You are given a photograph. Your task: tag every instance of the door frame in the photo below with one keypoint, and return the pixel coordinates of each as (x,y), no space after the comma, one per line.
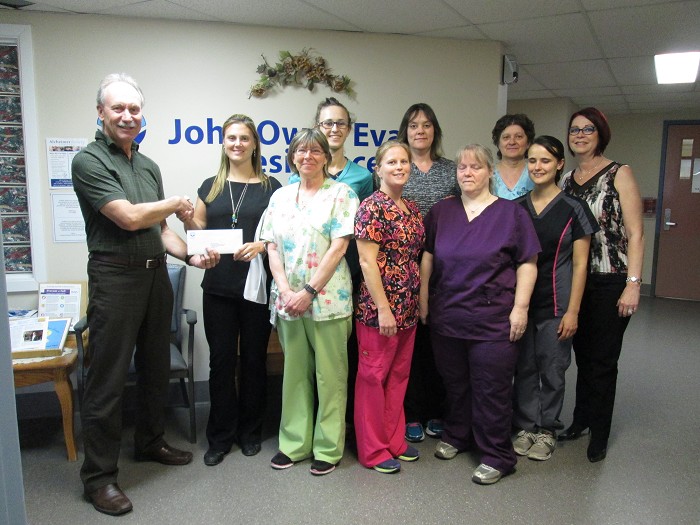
(660,197)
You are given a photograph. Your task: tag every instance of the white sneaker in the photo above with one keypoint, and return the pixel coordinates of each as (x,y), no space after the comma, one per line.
(485,475)
(544,446)
(445,451)
(524,442)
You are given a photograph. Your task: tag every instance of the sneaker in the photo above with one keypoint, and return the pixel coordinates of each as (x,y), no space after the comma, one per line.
(445,451)
(544,446)
(319,467)
(410,454)
(524,442)
(390,466)
(281,461)
(434,428)
(414,432)
(485,475)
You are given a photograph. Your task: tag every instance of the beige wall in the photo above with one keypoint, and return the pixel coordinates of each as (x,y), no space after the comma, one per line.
(636,140)
(194,71)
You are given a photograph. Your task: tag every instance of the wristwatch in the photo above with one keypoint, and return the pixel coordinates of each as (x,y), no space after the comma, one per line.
(311,290)
(632,279)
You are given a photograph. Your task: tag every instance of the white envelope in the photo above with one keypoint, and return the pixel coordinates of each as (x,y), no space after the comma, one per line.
(224,241)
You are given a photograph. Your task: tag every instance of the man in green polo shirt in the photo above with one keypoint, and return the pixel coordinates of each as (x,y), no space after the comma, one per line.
(120,192)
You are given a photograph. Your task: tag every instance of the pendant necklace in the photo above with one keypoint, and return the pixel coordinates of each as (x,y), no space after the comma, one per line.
(583,173)
(235,209)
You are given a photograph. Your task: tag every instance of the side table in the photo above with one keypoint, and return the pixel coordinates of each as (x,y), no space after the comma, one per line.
(56,369)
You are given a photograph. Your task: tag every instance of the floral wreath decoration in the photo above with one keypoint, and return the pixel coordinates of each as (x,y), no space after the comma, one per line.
(304,69)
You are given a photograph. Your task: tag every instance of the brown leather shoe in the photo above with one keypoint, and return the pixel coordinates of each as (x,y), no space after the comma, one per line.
(110,499)
(166,455)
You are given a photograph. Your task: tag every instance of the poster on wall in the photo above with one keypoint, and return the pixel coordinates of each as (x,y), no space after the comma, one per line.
(68,223)
(59,155)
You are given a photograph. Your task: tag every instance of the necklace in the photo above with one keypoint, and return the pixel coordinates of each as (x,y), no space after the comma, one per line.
(585,173)
(237,207)
(478,208)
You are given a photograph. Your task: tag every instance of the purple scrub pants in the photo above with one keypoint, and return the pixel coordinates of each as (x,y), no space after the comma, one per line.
(478,377)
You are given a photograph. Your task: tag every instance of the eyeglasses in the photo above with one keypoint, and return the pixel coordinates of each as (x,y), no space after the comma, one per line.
(588,130)
(314,152)
(328,124)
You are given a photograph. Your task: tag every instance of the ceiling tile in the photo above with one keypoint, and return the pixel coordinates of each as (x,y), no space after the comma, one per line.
(159,9)
(572,75)
(658,89)
(290,14)
(648,30)
(485,11)
(633,70)
(413,16)
(555,39)
(590,91)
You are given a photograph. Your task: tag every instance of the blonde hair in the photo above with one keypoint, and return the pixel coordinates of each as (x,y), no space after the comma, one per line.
(217,186)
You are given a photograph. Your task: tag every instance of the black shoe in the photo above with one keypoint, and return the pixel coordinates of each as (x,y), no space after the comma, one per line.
(321,468)
(573,432)
(250,449)
(597,450)
(213,457)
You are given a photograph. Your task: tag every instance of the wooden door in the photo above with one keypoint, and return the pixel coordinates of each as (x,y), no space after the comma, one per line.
(677,271)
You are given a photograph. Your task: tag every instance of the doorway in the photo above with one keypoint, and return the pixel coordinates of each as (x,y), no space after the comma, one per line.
(677,264)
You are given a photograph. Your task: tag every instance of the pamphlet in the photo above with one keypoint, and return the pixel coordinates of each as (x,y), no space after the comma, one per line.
(38,336)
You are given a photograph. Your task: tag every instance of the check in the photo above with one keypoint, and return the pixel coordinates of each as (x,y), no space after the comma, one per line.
(224,241)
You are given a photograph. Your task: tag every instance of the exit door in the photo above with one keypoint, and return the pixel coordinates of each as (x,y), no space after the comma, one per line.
(678,217)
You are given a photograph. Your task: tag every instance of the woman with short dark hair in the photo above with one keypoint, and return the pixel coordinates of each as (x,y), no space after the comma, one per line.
(512,135)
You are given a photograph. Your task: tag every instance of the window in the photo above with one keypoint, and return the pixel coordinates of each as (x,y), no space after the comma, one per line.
(19,184)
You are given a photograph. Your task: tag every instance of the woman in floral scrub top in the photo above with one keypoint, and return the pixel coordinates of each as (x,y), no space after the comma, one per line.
(308,225)
(390,233)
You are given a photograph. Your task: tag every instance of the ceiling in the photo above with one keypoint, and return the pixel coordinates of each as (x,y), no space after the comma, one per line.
(593,52)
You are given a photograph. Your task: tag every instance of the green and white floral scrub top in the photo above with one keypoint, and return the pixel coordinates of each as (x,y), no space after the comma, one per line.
(303,235)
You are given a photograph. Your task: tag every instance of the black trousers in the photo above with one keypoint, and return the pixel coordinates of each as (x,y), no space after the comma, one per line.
(425,394)
(597,346)
(236,416)
(128,307)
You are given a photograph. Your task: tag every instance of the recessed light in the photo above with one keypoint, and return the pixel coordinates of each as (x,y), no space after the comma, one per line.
(677,68)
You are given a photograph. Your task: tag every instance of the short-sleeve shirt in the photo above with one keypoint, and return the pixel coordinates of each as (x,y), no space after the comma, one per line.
(428,188)
(400,238)
(354,175)
(102,173)
(524,184)
(564,220)
(227,279)
(303,235)
(472,287)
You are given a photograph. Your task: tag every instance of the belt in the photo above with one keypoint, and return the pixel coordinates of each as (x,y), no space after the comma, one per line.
(131,262)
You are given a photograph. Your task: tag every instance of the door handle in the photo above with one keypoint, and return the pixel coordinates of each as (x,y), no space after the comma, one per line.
(667,219)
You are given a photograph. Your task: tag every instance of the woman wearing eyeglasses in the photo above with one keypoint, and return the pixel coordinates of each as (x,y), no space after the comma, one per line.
(613,285)
(235,198)
(308,225)
(334,121)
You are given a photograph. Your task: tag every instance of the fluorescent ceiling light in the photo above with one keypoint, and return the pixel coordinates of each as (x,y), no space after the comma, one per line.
(677,68)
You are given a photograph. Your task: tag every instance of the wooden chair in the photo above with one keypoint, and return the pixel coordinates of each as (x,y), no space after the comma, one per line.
(181,365)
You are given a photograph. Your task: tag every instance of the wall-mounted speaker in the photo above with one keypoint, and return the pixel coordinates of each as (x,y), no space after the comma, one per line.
(510,69)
